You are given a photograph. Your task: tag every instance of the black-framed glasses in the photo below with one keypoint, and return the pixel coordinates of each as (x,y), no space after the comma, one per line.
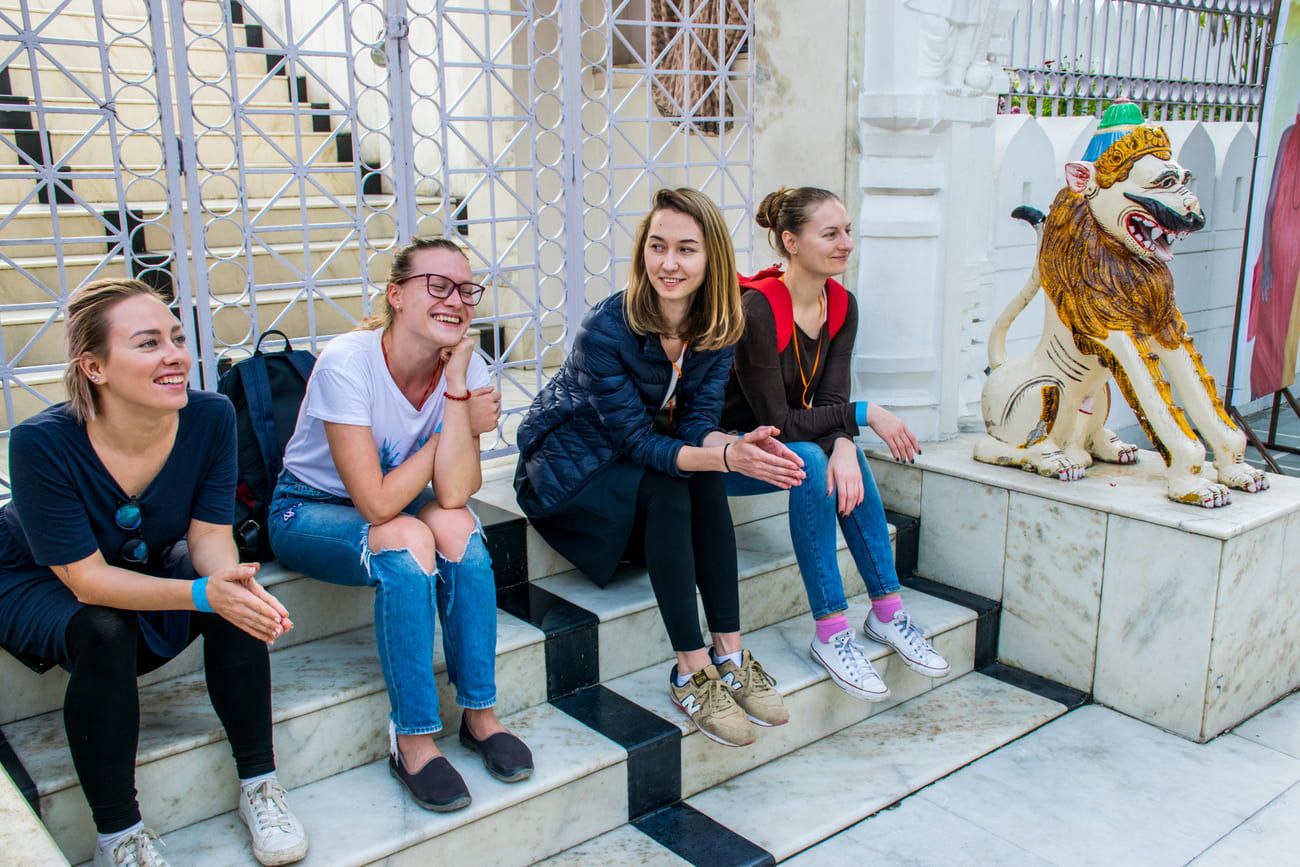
(441,287)
(128,517)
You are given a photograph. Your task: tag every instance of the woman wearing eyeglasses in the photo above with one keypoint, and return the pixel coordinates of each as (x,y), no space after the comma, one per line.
(793,369)
(121,498)
(376,482)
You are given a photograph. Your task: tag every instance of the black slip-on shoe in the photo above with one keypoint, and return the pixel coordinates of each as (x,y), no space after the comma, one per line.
(505,756)
(437,786)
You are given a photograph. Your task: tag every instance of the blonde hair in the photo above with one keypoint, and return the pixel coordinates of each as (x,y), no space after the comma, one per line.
(715,319)
(789,210)
(87,325)
(400,270)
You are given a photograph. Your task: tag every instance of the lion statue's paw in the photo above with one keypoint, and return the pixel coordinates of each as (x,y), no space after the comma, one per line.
(1198,491)
(1106,446)
(1058,464)
(1244,477)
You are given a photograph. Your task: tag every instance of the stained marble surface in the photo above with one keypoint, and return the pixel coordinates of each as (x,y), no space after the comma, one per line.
(1136,491)
(963,533)
(583,770)
(1051,593)
(1276,727)
(1271,836)
(1096,787)
(1157,618)
(624,845)
(23,839)
(873,763)
(899,484)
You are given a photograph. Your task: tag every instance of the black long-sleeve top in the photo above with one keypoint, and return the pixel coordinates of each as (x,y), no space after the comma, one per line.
(765,386)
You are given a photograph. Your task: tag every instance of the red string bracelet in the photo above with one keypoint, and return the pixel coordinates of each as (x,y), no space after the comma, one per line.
(465,396)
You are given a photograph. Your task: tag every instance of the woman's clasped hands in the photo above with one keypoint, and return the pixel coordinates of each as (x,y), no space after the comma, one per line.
(760,455)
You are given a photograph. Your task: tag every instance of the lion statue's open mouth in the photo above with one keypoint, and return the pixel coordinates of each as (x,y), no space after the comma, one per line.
(1103,257)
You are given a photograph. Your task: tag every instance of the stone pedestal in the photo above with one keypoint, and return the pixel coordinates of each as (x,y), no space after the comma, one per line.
(1185,618)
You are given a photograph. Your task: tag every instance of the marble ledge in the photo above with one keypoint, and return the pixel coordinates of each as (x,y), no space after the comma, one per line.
(22,836)
(1136,492)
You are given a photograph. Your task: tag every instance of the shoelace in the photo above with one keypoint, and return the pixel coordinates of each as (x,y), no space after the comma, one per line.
(138,849)
(764,681)
(269,809)
(853,655)
(716,695)
(913,636)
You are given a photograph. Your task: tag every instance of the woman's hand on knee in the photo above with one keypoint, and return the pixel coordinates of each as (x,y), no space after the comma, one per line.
(759,455)
(235,595)
(844,476)
(902,443)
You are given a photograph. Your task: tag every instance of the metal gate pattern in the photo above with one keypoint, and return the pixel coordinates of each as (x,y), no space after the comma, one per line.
(286,149)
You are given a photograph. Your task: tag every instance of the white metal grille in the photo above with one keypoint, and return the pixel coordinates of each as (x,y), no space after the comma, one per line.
(287,148)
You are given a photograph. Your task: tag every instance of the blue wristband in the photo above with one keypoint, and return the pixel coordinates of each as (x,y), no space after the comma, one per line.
(199,593)
(860,412)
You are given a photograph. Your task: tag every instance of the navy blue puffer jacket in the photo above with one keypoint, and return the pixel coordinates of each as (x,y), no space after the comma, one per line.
(600,405)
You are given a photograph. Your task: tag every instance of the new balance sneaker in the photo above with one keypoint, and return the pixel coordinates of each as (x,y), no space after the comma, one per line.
(849,666)
(278,836)
(137,849)
(907,640)
(754,690)
(708,702)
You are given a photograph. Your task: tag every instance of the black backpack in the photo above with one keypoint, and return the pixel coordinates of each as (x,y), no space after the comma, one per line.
(267,390)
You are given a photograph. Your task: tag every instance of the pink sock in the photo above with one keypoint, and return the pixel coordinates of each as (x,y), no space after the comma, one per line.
(886,608)
(831,625)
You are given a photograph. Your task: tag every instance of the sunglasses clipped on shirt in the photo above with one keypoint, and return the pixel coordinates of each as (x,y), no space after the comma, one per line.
(128,517)
(441,287)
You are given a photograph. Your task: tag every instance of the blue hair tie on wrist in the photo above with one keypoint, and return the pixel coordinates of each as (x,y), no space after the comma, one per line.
(199,593)
(860,412)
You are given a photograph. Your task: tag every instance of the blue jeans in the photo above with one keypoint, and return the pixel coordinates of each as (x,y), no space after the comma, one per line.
(812,531)
(325,537)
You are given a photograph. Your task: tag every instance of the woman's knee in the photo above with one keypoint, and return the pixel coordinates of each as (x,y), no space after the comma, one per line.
(451,528)
(665,494)
(104,633)
(405,533)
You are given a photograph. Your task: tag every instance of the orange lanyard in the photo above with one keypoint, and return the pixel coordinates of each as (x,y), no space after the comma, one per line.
(807,379)
(433,381)
(672,401)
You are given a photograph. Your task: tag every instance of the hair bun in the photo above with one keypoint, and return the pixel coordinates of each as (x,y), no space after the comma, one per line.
(769,210)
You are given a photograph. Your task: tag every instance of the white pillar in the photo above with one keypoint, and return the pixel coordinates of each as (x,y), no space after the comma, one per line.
(925,119)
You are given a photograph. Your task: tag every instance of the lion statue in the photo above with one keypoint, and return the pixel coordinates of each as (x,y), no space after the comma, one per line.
(1103,263)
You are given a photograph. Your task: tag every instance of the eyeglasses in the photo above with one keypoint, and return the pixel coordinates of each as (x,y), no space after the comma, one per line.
(128,517)
(441,287)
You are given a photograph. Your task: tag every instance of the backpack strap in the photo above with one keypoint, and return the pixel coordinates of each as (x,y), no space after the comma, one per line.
(769,284)
(261,413)
(303,362)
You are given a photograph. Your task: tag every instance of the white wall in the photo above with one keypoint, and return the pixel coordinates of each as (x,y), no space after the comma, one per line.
(1029,169)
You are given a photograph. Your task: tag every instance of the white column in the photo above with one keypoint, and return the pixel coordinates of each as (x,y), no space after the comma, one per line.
(925,119)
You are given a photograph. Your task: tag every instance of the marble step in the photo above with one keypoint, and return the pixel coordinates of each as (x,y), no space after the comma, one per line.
(789,804)
(817,706)
(330,712)
(363,816)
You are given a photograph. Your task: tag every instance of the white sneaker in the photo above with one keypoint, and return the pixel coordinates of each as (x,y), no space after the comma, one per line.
(138,849)
(908,641)
(849,667)
(278,836)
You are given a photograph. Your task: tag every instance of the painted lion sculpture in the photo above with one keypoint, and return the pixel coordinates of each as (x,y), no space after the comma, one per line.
(1103,255)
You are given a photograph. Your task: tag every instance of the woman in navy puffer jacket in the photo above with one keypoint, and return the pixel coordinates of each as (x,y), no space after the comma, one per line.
(620,456)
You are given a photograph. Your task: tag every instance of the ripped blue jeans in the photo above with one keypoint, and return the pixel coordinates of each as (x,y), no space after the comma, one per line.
(324,537)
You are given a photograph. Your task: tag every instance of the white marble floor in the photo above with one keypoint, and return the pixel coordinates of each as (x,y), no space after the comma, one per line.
(1096,787)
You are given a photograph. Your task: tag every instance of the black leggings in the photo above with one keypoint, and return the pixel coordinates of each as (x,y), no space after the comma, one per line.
(667,509)
(101,710)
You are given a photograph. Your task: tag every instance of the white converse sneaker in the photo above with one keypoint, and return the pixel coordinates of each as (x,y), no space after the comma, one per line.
(137,849)
(850,669)
(278,836)
(908,641)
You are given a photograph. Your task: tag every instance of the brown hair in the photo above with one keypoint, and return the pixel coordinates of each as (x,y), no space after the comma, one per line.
(715,319)
(400,270)
(86,326)
(787,210)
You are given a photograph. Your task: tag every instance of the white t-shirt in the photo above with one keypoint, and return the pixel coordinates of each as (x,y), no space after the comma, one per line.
(351,385)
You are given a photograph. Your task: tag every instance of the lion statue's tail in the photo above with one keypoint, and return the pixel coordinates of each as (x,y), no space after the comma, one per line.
(998,334)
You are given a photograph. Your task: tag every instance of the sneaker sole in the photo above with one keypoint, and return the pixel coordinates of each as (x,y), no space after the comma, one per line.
(449,807)
(767,725)
(278,857)
(915,666)
(717,739)
(850,688)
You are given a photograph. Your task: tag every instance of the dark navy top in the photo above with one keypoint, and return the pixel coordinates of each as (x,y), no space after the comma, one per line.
(63,507)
